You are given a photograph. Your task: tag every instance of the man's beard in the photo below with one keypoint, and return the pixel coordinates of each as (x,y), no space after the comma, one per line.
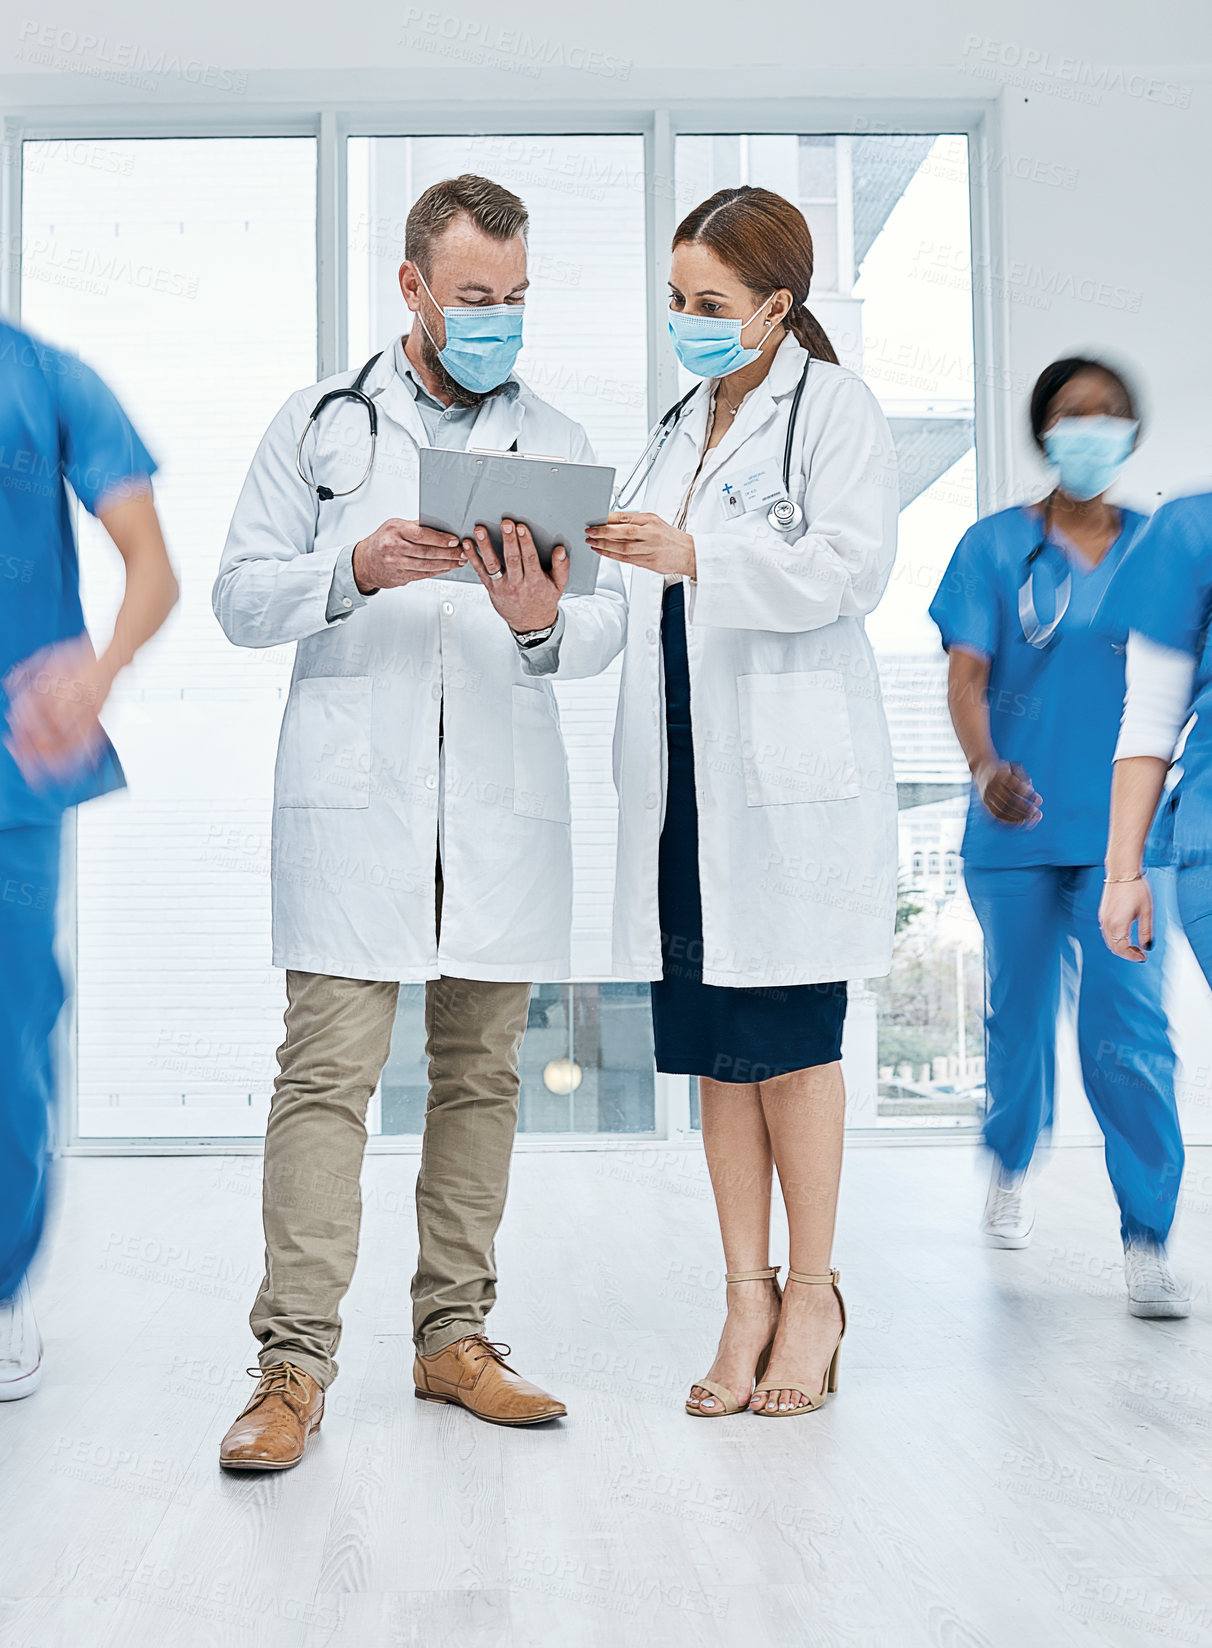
(451,389)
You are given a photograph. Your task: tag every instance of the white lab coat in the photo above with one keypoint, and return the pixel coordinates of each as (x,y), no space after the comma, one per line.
(793,763)
(361,796)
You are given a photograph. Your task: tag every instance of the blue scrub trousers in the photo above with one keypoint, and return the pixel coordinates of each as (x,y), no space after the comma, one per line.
(31,994)
(1034,920)
(1194,891)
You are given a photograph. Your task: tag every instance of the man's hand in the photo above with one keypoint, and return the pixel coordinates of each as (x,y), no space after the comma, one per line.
(1007,792)
(55,698)
(644,540)
(524,595)
(401,552)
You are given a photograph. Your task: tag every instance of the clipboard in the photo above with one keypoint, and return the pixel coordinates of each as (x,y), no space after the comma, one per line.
(555,498)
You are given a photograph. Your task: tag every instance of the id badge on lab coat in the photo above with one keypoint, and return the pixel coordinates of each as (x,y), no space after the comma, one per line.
(746,489)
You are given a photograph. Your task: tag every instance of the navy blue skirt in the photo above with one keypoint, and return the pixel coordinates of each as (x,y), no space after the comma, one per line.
(730,1035)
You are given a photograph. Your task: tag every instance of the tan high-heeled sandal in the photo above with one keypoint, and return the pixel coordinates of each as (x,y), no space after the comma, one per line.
(721,1392)
(829,1382)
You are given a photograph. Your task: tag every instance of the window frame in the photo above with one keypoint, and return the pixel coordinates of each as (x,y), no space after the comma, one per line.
(659,126)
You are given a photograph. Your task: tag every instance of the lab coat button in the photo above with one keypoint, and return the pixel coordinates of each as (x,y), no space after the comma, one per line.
(435,693)
(345,601)
(650,800)
(448,607)
(431,782)
(652,635)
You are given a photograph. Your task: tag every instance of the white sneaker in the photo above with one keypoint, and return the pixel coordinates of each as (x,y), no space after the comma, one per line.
(1009,1210)
(20,1347)
(1153,1289)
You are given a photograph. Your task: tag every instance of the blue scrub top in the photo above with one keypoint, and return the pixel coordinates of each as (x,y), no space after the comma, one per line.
(1054,709)
(1164,590)
(58,423)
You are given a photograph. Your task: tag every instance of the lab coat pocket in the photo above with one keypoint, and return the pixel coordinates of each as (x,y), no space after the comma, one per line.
(796,743)
(324,753)
(540,767)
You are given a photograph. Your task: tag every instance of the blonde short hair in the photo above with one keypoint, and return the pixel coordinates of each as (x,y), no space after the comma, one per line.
(493,209)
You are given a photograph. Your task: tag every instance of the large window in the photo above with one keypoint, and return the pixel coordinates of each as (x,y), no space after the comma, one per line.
(185,269)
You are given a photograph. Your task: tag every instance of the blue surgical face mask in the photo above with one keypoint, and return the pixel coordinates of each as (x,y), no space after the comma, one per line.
(482,342)
(1089,453)
(709,345)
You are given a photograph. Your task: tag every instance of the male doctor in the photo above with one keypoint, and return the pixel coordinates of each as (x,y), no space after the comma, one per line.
(421,812)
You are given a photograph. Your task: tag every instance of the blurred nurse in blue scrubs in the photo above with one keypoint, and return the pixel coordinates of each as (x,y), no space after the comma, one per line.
(60,427)
(1035,689)
(1163,596)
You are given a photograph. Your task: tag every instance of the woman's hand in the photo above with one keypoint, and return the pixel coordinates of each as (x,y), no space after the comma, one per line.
(645,541)
(524,595)
(1123,903)
(1007,792)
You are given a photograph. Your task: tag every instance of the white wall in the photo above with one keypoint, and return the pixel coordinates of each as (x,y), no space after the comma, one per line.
(884,34)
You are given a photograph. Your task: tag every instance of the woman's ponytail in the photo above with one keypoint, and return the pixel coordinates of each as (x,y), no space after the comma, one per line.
(810,334)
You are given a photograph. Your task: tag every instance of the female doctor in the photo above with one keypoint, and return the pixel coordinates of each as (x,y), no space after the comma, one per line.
(1036,682)
(757,841)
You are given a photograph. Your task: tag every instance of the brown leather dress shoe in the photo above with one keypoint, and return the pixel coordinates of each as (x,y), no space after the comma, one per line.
(473,1374)
(282,1415)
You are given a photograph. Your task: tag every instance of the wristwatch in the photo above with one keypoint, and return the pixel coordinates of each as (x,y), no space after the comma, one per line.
(527,638)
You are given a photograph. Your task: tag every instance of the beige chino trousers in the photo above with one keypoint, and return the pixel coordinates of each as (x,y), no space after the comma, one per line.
(338,1036)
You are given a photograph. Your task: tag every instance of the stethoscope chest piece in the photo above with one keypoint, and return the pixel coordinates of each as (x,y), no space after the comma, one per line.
(784,515)
(1035,632)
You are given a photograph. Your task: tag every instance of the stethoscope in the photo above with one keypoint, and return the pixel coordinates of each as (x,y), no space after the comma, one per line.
(352,392)
(784,515)
(1036,633)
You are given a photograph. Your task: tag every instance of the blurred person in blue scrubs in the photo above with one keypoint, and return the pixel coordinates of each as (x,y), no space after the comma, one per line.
(1163,596)
(1035,687)
(59,427)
